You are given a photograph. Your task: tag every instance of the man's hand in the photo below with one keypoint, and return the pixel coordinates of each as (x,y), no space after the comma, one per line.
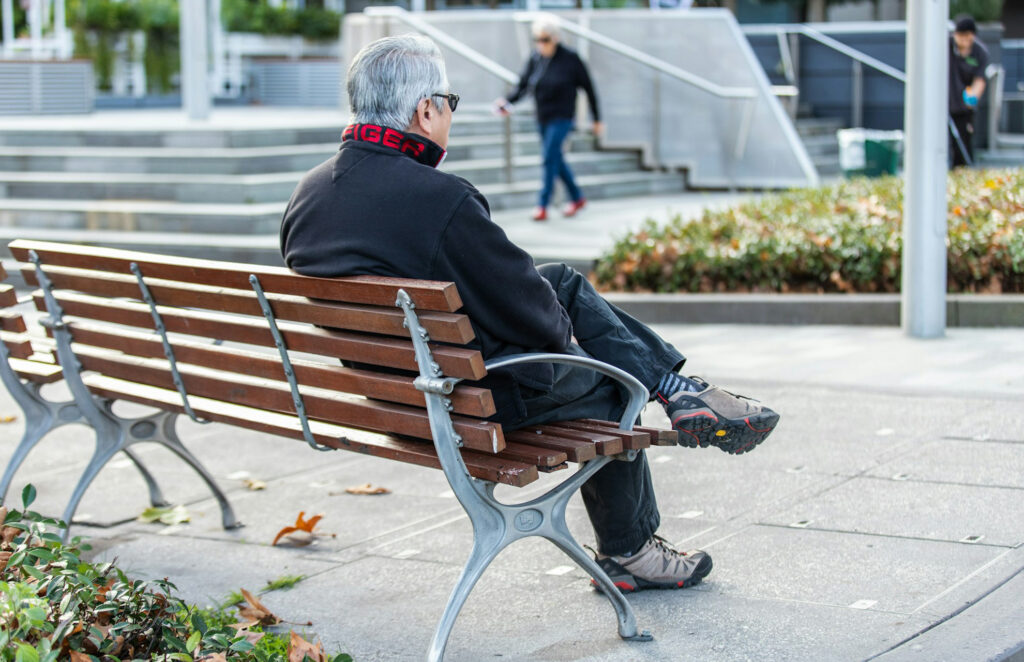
(599,129)
(970,99)
(502,107)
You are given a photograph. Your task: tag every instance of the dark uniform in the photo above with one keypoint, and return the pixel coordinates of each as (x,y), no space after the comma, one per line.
(962,72)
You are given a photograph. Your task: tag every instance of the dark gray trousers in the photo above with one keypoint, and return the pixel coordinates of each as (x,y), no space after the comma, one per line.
(620,497)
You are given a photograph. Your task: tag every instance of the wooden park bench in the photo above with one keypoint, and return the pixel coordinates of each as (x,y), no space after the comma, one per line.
(213,341)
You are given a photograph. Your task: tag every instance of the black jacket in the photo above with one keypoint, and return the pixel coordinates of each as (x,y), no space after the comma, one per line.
(553,83)
(962,72)
(379,207)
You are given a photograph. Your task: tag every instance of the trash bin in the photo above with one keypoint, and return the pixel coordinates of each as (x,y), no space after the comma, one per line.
(869,153)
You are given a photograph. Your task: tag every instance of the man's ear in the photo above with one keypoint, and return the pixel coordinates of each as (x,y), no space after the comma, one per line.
(422,117)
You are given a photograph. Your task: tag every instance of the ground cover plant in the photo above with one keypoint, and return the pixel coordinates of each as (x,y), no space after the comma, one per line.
(841,238)
(54,606)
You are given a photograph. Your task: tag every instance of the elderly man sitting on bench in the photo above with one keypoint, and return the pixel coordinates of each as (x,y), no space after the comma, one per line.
(381,207)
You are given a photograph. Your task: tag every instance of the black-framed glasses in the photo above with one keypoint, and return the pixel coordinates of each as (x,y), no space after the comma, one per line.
(453,99)
(543,39)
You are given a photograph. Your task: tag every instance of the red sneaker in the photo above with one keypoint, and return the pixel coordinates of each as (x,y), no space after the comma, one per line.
(570,209)
(540,214)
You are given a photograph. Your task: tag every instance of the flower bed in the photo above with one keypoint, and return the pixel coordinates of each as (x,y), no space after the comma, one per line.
(841,238)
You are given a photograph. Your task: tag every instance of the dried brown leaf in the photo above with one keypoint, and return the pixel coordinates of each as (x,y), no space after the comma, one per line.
(299,649)
(8,418)
(79,657)
(212,657)
(3,559)
(300,525)
(8,533)
(257,611)
(254,484)
(367,489)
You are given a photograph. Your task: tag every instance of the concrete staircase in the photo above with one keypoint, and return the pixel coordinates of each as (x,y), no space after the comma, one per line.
(1009,152)
(220,192)
(819,138)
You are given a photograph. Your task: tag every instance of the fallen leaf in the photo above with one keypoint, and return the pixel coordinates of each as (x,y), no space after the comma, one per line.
(79,657)
(8,534)
(300,525)
(3,559)
(168,515)
(299,649)
(212,657)
(254,484)
(256,611)
(8,418)
(367,489)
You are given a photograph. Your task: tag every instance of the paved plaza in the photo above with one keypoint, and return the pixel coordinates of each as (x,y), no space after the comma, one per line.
(882,520)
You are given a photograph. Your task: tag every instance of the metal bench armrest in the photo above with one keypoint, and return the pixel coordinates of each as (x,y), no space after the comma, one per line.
(638,393)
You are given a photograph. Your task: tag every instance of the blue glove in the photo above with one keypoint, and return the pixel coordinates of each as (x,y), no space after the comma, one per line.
(970,99)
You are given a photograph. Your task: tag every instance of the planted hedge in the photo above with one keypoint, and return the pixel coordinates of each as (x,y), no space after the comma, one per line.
(841,238)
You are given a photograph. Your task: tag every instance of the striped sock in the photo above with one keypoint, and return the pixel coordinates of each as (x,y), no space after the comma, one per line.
(673,382)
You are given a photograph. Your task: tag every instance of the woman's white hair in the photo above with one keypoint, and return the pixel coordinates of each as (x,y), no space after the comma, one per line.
(389,77)
(546,24)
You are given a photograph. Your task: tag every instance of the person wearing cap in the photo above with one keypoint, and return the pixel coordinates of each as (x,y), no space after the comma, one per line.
(552,75)
(968,59)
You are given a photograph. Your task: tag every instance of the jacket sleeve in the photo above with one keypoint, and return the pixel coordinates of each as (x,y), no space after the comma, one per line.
(524,80)
(499,284)
(583,80)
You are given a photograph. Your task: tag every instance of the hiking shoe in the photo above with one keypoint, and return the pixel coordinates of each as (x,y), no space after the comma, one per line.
(656,565)
(715,417)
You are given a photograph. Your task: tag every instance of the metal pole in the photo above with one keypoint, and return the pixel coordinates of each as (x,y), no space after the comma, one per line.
(60,31)
(35,28)
(195,88)
(924,210)
(510,173)
(857,113)
(8,27)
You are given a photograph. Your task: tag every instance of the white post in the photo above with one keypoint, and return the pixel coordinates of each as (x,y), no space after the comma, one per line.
(60,31)
(195,88)
(924,209)
(217,48)
(35,28)
(8,27)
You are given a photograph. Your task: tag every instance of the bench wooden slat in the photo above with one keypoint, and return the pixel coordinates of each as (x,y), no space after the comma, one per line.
(259,393)
(542,458)
(658,437)
(631,439)
(3,272)
(576,450)
(480,465)
(442,327)
(467,400)
(394,353)
(373,290)
(37,371)
(8,297)
(12,321)
(18,344)
(606,444)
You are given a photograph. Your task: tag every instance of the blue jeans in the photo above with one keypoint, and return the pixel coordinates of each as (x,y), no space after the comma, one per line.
(552,135)
(620,497)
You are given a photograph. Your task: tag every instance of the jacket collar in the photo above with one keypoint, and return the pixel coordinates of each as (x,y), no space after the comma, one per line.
(415,146)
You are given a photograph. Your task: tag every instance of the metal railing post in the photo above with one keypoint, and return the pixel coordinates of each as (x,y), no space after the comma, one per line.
(510,174)
(656,119)
(857,99)
(995,107)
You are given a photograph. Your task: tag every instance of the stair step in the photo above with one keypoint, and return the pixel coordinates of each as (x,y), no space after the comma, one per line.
(811,126)
(237,161)
(255,218)
(823,144)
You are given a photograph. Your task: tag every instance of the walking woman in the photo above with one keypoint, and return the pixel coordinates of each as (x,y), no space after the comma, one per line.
(552,75)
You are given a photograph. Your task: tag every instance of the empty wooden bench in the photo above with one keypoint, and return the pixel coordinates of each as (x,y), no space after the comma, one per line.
(259,347)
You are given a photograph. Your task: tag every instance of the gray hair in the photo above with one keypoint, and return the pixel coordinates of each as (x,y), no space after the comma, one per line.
(546,24)
(389,77)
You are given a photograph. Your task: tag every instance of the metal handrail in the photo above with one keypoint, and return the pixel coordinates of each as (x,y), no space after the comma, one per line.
(647,60)
(459,48)
(446,40)
(851,53)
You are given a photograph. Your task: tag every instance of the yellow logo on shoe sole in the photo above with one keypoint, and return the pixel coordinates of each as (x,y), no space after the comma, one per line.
(720,433)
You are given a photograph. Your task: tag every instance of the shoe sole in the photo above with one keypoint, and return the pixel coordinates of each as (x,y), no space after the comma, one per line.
(703,428)
(629,584)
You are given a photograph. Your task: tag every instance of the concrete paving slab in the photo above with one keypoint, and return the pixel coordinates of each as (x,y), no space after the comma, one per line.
(989,463)
(840,569)
(914,509)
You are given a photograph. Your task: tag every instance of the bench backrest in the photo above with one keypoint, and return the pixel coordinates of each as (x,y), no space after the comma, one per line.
(225,353)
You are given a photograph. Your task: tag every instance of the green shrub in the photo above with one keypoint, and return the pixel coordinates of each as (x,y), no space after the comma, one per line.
(258,16)
(841,238)
(981,10)
(55,606)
